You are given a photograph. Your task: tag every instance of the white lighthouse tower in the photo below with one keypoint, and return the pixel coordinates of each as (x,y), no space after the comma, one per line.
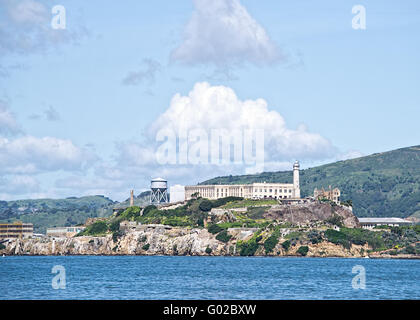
(296,187)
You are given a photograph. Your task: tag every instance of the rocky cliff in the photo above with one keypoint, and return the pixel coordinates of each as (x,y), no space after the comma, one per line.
(166,241)
(313,212)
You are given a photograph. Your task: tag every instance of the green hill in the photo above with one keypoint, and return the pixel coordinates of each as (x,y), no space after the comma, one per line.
(44,213)
(380,185)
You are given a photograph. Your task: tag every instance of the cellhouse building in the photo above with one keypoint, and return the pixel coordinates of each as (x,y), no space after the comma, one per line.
(249,191)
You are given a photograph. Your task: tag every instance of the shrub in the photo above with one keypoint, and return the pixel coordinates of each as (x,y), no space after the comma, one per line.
(314,236)
(214,228)
(337,237)
(410,250)
(116,235)
(130,213)
(96,228)
(205,205)
(208,250)
(270,243)
(114,226)
(303,250)
(286,245)
(146,247)
(148,209)
(248,248)
(2,246)
(223,236)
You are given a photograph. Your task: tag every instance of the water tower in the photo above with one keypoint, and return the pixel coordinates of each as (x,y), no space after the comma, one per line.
(159,188)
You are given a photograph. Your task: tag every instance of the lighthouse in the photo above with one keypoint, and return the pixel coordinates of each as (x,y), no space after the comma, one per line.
(296,187)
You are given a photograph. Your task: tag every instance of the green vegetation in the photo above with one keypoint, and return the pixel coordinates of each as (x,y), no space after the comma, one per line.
(378,240)
(383,184)
(337,237)
(303,250)
(206,205)
(214,228)
(286,245)
(248,248)
(46,213)
(2,246)
(270,243)
(242,203)
(146,247)
(95,229)
(208,250)
(223,236)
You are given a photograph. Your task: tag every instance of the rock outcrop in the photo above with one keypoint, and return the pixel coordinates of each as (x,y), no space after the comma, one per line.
(312,212)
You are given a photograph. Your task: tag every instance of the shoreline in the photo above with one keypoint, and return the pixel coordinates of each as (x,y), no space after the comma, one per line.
(384,257)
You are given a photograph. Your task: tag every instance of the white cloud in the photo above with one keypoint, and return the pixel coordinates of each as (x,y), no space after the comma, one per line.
(19,184)
(222,32)
(31,155)
(217,107)
(25,28)
(8,123)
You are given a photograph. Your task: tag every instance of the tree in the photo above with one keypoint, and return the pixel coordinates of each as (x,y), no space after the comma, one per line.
(303,250)
(205,205)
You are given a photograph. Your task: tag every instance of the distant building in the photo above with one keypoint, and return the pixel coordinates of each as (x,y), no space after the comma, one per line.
(249,191)
(370,223)
(329,194)
(67,232)
(176,193)
(16,230)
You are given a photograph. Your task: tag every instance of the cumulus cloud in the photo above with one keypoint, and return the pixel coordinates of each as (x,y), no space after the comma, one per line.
(32,155)
(146,75)
(209,107)
(222,32)
(8,123)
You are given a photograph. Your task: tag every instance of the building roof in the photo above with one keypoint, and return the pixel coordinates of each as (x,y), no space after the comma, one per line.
(383,220)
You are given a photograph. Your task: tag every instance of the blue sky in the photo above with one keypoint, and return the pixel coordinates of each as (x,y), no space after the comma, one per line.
(355,91)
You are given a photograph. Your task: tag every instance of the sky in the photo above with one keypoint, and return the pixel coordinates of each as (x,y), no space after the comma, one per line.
(83,106)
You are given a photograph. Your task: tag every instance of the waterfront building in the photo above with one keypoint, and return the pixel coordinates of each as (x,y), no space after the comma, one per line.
(64,231)
(371,223)
(16,230)
(249,191)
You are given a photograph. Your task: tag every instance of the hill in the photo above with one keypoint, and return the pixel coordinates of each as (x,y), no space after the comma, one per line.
(142,200)
(380,185)
(44,213)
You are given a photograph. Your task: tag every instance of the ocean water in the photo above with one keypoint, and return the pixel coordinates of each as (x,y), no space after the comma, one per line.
(181,277)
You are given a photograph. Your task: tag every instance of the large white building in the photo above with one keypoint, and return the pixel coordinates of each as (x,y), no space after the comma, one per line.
(249,191)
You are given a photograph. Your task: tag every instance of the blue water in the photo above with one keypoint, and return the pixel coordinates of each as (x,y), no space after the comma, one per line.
(164,277)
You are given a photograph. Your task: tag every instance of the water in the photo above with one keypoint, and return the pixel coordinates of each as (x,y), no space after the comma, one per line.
(165,277)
